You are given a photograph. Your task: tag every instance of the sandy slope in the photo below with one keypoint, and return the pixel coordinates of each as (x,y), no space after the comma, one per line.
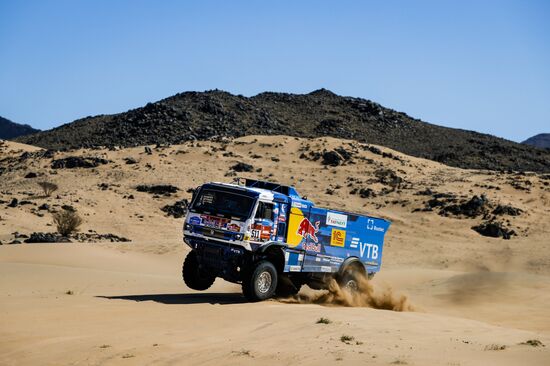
(472,294)
(131,308)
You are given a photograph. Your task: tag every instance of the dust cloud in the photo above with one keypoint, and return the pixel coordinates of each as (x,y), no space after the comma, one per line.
(366,296)
(477,287)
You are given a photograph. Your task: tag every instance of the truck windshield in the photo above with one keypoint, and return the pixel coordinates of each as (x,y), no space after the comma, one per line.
(228,204)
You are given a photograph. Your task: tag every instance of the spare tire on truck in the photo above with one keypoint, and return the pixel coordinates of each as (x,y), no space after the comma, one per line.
(195,277)
(260,282)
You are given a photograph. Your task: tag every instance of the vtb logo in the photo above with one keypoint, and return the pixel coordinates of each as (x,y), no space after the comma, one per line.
(338,238)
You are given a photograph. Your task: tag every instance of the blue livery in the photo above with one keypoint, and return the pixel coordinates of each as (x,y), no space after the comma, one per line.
(272,241)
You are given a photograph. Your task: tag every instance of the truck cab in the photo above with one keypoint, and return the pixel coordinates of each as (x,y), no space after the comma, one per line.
(272,241)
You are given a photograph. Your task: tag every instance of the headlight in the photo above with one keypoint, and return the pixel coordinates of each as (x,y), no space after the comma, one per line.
(187,227)
(238,236)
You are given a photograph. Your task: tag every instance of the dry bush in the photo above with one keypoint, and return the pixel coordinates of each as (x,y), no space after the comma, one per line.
(48,188)
(67,222)
(323,321)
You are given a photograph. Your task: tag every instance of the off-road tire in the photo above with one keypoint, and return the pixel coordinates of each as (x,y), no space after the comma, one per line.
(260,282)
(193,276)
(350,279)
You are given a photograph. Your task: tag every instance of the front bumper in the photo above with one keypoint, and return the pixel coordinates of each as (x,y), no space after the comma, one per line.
(219,258)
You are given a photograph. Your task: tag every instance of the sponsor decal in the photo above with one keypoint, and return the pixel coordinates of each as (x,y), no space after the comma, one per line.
(234,227)
(282,213)
(295,268)
(261,232)
(370,250)
(213,221)
(235,250)
(306,229)
(373,227)
(338,238)
(336,219)
(326,269)
(312,247)
(298,204)
(195,220)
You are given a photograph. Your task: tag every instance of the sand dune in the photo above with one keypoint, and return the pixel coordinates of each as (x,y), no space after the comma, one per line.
(475,299)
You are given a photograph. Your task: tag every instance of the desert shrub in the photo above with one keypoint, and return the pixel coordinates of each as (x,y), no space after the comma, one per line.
(346,338)
(48,188)
(323,321)
(67,222)
(533,343)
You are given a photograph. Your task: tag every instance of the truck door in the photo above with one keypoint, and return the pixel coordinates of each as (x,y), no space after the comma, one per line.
(280,212)
(265,223)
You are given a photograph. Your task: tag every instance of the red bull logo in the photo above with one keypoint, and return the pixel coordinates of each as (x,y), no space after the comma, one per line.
(306,229)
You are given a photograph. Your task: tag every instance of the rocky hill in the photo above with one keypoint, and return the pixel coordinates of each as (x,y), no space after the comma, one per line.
(10,130)
(541,140)
(205,115)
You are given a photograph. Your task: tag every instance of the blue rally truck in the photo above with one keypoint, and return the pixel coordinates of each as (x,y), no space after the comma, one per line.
(272,241)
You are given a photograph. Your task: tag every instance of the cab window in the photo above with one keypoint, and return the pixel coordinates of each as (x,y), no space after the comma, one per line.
(265,211)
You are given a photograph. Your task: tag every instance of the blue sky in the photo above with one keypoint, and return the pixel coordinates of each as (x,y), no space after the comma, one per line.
(478,65)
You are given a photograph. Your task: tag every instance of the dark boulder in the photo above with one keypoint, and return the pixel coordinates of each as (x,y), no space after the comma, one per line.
(68,208)
(474,207)
(507,210)
(388,177)
(332,158)
(94,237)
(242,167)
(73,162)
(46,238)
(178,209)
(363,192)
(163,189)
(494,229)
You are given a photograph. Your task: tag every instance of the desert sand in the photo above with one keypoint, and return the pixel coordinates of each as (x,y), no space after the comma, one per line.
(475,300)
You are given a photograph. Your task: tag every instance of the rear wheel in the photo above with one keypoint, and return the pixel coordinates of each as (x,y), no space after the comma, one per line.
(260,283)
(194,277)
(351,279)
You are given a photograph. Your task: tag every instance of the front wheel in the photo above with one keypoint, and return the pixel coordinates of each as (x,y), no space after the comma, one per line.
(194,277)
(261,282)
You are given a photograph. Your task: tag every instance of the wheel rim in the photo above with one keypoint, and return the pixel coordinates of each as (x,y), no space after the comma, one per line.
(351,285)
(264,282)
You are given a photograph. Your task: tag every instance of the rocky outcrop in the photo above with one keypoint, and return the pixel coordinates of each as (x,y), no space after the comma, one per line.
(215,114)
